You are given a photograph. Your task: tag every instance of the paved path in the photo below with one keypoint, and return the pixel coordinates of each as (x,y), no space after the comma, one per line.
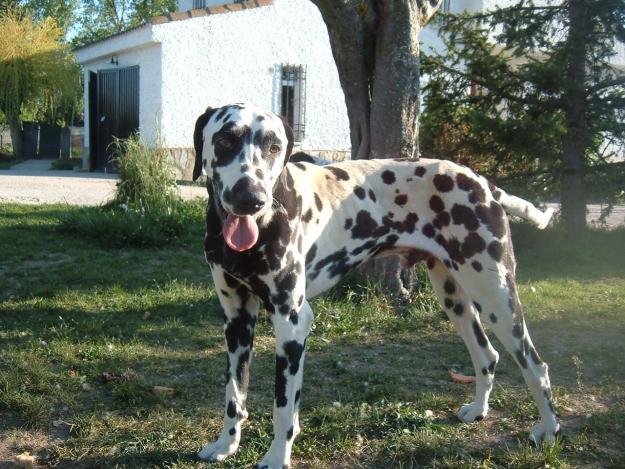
(31,182)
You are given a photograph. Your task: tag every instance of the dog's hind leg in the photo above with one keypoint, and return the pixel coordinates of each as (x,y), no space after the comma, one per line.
(502,308)
(240,311)
(463,314)
(291,333)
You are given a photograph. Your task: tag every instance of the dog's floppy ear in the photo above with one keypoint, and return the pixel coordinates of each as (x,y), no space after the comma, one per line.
(289,135)
(198,140)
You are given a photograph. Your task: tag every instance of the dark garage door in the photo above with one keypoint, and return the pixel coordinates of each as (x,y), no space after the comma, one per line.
(116,111)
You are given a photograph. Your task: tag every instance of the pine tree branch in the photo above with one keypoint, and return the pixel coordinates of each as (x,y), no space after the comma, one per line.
(605,84)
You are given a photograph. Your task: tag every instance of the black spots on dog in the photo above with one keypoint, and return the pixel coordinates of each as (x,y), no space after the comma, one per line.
(521,358)
(458,309)
(473,244)
(484,371)
(339,174)
(447,262)
(477,306)
(448,303)
(452,246)
(535,357)
(318,202)
(401,200)
(222,113)
(225,293)
(289,434)
(238,331)
(244,168)
(231,410)
(259,173)
(517,331)
(307,216)
(360,192)
(431,262)
(473,187)
(419,171)
(293,351)
(437,204)
(300,166)
(348,223)
(415,256)
(428,230)
(492,366)
(297,396)
(443,183)
(300,156)
(280,383)
(442,219)
(495,249)
(479,334)
(364,225)
(372,195)
(476,266)
(463,215)
(388,177)
(493,318)
(310,255)
(449,286)
(243,368)
(232,431)
(492,216)
(293,317)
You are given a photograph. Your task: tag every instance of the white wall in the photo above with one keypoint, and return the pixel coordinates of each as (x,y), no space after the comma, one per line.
(233,57)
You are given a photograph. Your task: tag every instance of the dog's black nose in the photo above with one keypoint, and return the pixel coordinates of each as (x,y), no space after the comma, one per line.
(248,197)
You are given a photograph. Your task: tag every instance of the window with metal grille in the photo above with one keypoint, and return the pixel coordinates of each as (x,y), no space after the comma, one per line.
(446,6)
(199,4)
(293,98)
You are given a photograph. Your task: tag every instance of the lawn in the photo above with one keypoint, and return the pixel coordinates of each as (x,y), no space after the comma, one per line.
(88,331)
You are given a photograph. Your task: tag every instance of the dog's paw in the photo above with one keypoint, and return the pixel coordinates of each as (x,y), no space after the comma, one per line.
(277,457)
(219,450)
(545,433)
(473,412)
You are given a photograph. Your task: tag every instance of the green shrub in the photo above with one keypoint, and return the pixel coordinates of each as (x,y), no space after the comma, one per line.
(146,210)
(146,180)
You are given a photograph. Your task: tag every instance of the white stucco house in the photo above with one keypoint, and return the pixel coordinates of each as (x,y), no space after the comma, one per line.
(275,54)
(160,76)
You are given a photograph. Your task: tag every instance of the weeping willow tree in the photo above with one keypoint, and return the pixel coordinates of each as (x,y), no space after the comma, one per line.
(37,71)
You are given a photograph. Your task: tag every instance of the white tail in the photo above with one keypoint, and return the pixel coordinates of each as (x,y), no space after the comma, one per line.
(526,210)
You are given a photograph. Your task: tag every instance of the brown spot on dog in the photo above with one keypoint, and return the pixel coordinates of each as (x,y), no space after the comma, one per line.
(443,183)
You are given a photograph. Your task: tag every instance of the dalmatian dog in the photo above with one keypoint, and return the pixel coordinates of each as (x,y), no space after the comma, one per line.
(278,233)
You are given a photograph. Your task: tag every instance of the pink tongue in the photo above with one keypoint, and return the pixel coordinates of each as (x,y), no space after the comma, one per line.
(240,233)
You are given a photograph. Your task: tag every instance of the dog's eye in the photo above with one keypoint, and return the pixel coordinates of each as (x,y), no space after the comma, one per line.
(225,142)
(274,148)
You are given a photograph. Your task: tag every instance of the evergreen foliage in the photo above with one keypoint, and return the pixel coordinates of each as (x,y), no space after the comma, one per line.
(499,99)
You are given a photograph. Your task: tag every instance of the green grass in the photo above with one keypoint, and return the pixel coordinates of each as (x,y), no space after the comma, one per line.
(73,308)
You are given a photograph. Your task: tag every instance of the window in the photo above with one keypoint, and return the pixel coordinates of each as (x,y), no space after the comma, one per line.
(446,6)
(293,98)
(199,4)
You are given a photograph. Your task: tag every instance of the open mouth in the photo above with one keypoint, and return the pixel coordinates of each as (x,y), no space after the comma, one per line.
(239,231)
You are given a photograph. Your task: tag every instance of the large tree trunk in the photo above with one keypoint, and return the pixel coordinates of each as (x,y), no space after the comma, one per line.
(15,128)
(575,142)
(375,44)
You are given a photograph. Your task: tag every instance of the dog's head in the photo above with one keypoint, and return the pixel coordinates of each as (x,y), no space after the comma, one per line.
(242,150)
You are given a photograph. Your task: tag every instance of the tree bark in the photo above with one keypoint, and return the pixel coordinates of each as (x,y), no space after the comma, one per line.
(15,128)
(375,44)
(574,141)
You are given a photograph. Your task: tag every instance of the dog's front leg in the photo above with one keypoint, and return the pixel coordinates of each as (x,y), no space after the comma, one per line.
(291,332)
(240,309)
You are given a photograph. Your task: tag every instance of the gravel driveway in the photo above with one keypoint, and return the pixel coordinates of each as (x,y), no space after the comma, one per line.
(32,183)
